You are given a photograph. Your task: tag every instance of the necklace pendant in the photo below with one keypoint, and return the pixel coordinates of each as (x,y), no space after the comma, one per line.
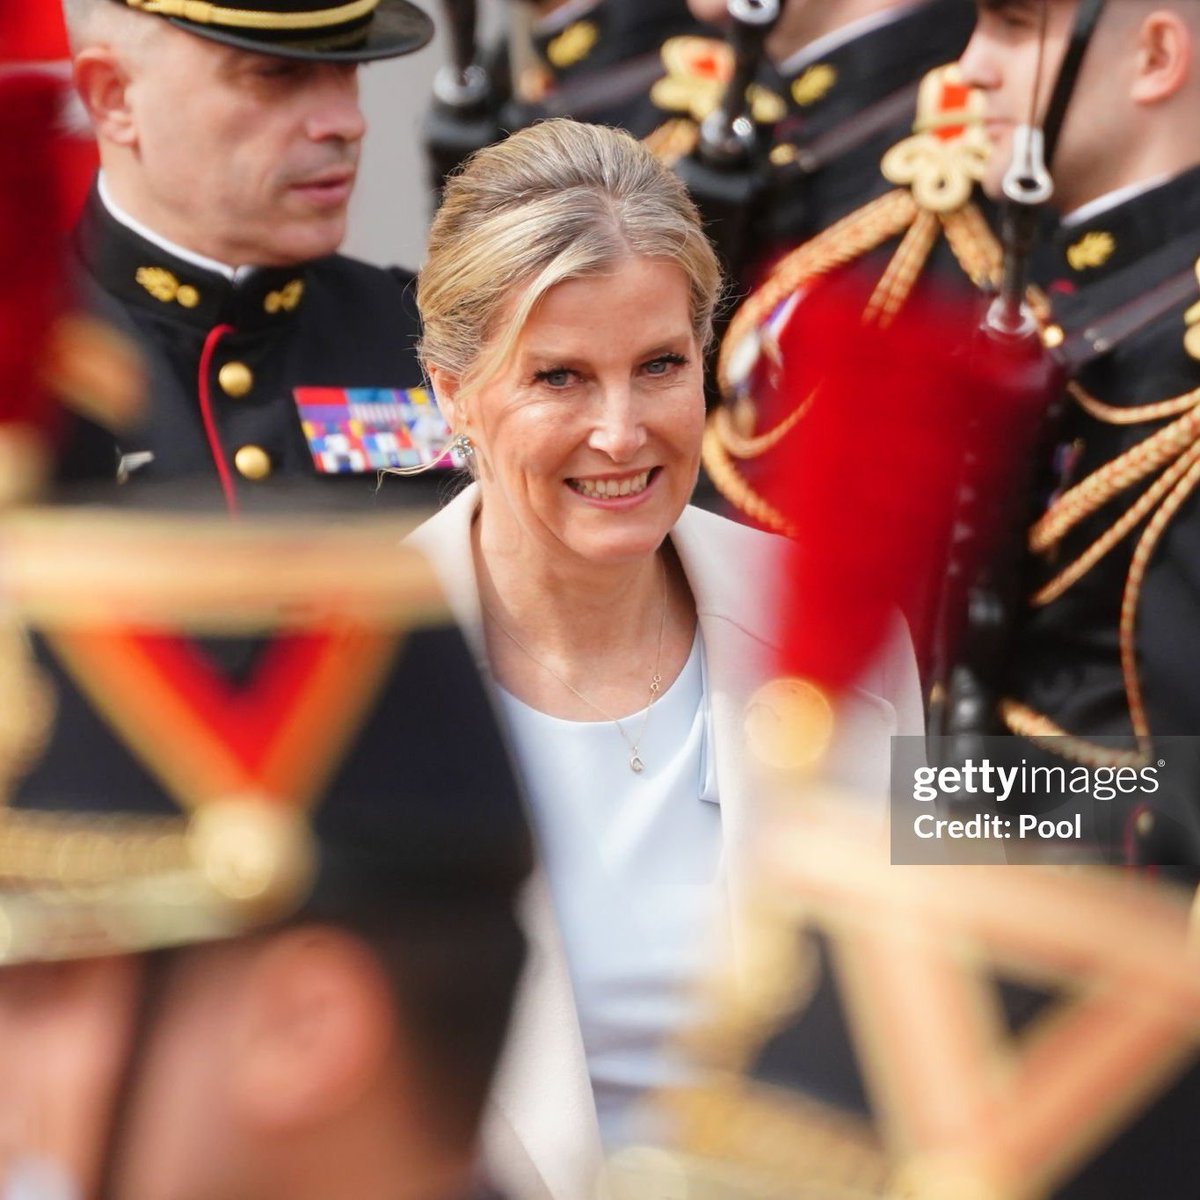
(635,764)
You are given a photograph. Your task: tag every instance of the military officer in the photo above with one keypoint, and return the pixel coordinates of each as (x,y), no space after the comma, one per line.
(1107,645)
(229,142)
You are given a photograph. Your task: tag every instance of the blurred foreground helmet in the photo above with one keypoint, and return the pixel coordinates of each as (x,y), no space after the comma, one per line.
(937,1033)
(210,727)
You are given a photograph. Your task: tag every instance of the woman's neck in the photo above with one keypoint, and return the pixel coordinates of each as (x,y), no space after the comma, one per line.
(563,604)
(581,640)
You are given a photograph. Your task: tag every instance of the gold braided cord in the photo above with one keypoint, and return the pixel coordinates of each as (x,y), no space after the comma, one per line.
(903,268)
(743,447)
(1110,414)
(842,242)
(1041,731)
(1116,532)
(974,245)
(201,12)
(1146,546)
(735,489)
(1108,481)
(1175,444)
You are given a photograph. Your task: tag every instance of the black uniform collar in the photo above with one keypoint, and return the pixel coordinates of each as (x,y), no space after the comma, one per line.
(873,65)
(1168,216)
(148,277)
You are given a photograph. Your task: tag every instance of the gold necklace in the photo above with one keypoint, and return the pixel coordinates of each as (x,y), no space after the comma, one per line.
(635,760)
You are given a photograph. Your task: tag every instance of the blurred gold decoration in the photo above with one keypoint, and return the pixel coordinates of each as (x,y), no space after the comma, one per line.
(95,371)
(164,286)
(286,299)
(573,45)
(1094,249)
(962,1109)
(672,140)
(814,84)
(789,724)
(27,707)
(948,151)
(1191,319)
(254,851)
(697,70)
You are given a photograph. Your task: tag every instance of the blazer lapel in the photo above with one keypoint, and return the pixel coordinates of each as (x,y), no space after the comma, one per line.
(542,1096)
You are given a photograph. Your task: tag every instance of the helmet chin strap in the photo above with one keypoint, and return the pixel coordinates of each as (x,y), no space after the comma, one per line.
(1027,183)
(1086,16)
(155,970)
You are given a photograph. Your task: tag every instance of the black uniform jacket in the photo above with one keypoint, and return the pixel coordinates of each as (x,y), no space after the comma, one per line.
(601,67)
(229,363)
(846,110)
(1124,297)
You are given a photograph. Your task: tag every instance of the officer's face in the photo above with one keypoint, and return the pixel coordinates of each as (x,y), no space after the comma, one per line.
(1002,61)
(588,441)
(241,157)
(1015,68)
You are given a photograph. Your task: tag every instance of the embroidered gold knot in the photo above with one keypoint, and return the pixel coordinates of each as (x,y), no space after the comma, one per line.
(697,70)
(162,285)
(813,84)
(286,298)
(948,150)
(572,45)
(940,173)
(1092,250)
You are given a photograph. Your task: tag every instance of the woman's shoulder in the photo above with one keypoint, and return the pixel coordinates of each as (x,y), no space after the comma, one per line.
(717,535)
(733,570)
(448,527)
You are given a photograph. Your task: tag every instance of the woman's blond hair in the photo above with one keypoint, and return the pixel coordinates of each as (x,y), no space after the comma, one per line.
(557,201)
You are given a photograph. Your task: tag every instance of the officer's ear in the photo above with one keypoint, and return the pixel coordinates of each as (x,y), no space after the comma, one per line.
(1166,49)
(445,389)
(316,1032)
(102,82)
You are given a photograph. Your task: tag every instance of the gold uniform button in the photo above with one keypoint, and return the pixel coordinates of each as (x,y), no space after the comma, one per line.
(187,296)
(1144,823)
(235,379)
(252,462)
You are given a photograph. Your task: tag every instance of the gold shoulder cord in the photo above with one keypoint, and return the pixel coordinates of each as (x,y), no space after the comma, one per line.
(939,175)
(1176,448)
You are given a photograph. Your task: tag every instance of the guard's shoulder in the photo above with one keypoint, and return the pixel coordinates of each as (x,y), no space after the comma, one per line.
(353,271)
(353,285)
(723,534)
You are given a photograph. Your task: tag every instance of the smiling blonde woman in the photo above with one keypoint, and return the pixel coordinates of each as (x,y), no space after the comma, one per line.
(567,302)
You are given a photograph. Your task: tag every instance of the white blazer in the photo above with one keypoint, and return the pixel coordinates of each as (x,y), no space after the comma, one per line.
(541,1138)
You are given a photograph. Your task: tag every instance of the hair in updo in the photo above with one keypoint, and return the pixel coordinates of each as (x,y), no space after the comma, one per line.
(560,200)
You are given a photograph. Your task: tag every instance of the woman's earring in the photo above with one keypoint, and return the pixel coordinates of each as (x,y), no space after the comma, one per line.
(461,445)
